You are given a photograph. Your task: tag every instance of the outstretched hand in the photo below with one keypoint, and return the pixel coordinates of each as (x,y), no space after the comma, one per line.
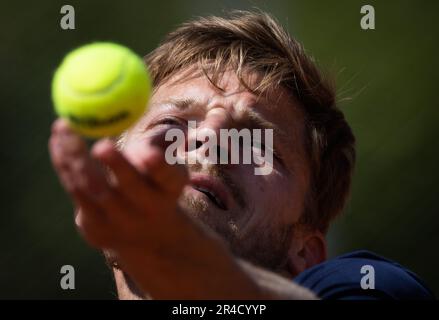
(126,205)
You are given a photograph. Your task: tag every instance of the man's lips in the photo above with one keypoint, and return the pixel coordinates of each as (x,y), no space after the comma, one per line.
(213,188)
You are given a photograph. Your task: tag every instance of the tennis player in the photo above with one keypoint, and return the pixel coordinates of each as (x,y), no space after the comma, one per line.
(212,230)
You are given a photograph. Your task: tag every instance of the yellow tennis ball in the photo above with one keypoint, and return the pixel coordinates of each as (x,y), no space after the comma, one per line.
(101,89)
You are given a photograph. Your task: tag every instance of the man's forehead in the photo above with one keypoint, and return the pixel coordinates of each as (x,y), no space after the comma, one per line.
(199,88)
(277,106)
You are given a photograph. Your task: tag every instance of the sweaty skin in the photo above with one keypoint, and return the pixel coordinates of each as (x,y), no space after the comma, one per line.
(169,239)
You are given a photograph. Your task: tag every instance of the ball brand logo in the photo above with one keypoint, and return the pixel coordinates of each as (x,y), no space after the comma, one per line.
(232,147)
(94,121)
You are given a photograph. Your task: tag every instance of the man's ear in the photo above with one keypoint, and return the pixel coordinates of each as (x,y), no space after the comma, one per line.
(307,249)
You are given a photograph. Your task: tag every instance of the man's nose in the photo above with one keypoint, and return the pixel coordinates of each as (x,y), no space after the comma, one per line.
(204,138)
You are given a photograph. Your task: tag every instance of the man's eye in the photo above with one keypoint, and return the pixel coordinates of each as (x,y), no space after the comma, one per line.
(169,121)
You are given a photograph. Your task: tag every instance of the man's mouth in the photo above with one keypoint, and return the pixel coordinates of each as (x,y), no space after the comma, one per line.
(212,188)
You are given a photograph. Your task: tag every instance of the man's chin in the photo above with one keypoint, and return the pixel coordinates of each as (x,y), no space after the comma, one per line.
(265,249)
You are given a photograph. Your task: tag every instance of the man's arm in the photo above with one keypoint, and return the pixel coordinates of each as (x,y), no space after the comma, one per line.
(203,268)
(135,214)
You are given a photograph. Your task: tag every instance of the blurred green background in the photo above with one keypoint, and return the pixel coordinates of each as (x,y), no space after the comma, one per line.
(387,80)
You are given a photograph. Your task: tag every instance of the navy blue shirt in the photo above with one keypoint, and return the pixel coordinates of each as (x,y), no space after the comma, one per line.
(340,278)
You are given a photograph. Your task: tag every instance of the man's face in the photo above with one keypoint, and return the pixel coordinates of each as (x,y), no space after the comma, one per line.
(253,213)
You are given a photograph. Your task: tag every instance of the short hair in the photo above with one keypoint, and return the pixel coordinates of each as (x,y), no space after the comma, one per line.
(246,41)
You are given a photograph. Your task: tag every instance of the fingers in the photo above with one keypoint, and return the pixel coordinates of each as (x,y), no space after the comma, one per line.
(141,171)
(81,175)
(144,184)
(150,160)
(128,181)
(139,166)
(70,159)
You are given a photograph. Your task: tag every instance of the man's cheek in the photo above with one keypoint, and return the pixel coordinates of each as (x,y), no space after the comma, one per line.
(272,198)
